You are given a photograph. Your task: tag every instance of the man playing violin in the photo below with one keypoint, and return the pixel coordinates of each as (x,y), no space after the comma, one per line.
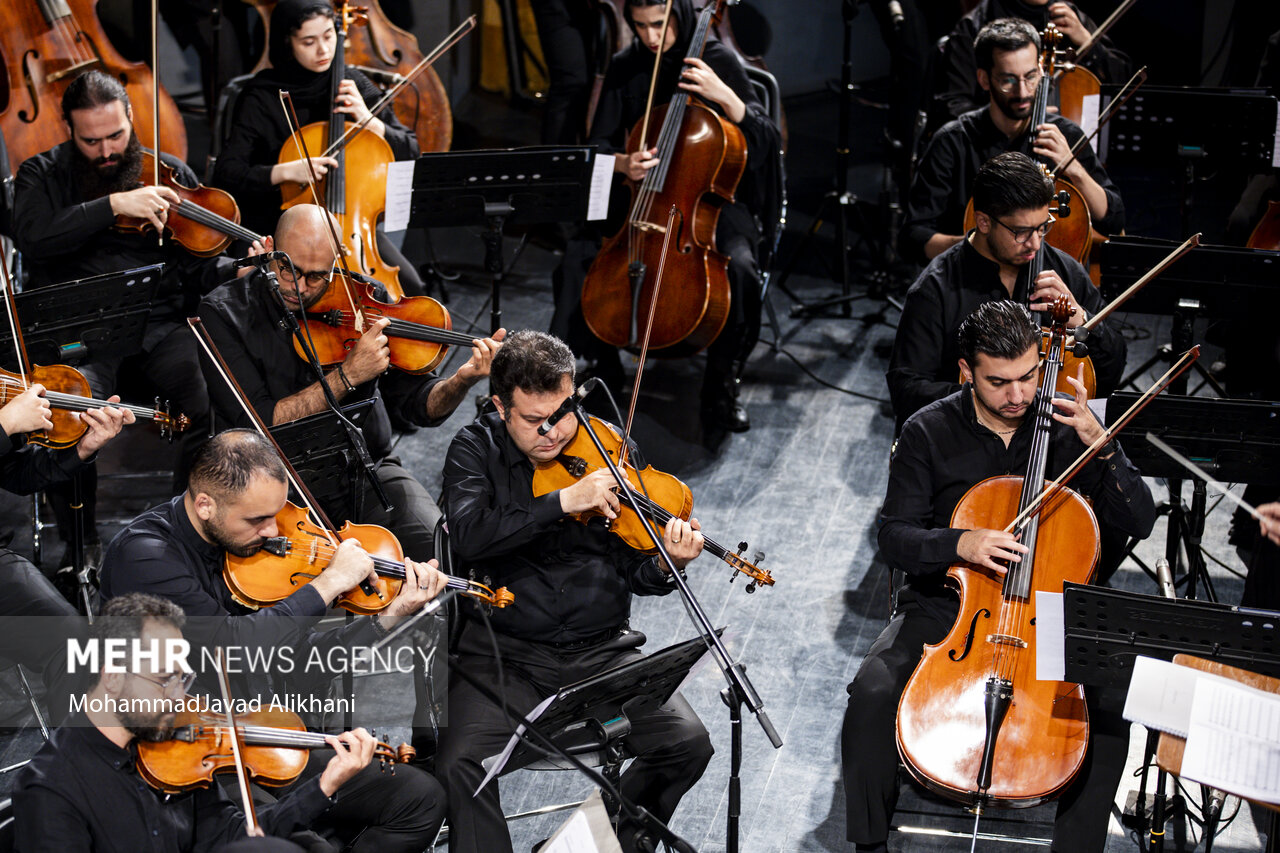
(573,585)
(66,203)
(1011,199)
(984,429)
(82,790)
(179,550)
(244,318)
(1008,56)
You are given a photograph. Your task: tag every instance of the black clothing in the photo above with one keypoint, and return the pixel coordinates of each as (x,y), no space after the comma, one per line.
(923,366)
(573,581)
(942,452)
(957,80)
(573,584)
(244,320)
(82,792)
(567,33)
(943,182)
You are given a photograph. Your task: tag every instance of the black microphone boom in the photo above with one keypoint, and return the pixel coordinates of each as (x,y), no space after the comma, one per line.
(260,260)
(567,406)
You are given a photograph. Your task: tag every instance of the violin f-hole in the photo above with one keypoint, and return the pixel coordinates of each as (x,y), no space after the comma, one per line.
(968,638)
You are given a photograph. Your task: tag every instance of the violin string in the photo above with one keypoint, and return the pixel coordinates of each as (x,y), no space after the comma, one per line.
(204,216)
(417,331)
(385,566)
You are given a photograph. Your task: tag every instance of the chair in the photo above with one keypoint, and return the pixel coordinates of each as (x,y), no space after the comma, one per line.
(774,221)
(224,114)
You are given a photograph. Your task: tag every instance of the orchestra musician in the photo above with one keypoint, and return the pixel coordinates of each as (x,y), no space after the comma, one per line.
(980,431)
(65,208)
(1008,70)
(956,93)
(37,621)
(301,46)
(573,584)
(719,81)
(177,551)
(82,789)
(1011,199)
(243,318)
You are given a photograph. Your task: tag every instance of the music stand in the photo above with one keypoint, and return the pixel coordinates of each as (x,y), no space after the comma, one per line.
(97,318)
(317,448)
(492,188)
(1234,440)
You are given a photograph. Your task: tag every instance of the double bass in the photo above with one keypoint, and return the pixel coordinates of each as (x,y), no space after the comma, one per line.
(45,44)
(700,155)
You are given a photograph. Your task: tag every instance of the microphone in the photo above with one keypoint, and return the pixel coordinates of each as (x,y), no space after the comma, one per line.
(260,260)
(896,16)
(1164,579)
(567,406)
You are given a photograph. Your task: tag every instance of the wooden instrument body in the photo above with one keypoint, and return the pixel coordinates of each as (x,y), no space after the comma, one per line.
(67,426)
(1074,84)
(200,239)
(45,44)
(265,579)
(941,717)
(1266,234)
(703,173)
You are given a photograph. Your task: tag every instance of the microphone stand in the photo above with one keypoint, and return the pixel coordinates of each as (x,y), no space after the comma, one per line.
(354,437)
(740,690)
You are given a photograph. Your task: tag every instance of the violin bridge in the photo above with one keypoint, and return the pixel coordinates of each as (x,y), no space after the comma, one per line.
(651,227)
(1007,640)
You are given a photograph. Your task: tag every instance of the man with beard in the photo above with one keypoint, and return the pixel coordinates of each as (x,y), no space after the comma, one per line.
(65,206)
(984,429)
(1011,199)
(82,790)
(246,319)
(178,551)
(1008,57)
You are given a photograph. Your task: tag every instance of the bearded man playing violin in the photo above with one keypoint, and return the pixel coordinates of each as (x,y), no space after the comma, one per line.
(983,430)
(573,584)
(179,551)
(1008,56)
(83,791)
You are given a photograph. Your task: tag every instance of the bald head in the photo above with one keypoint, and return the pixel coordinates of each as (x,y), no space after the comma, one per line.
(302,225)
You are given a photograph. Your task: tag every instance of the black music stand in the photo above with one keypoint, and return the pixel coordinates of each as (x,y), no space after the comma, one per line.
(595,713)
(318,449)
(1234,440)
(533,185)
(75,322)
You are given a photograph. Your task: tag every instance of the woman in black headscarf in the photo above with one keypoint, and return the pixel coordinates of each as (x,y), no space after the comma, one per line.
(718,81)
(301,49)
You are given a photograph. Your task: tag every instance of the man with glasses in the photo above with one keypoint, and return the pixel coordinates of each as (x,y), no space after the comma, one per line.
(82,790)
(246,320)
(1011,199)
(1008,57)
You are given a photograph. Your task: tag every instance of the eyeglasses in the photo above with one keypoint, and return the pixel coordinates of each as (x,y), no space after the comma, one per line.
(178,679)
(315,278)
(1006,83)
(1022,236)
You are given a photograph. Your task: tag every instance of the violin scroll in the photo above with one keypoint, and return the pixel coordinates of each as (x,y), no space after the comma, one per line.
(751,569)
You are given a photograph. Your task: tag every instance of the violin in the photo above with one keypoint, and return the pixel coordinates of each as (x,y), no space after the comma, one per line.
(205,220)
(700,156)
(1266,234)
(662,496)
(276,748)
(418,336)
(974,724)
(303,549)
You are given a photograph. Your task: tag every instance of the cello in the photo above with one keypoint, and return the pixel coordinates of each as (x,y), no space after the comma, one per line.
(45,44)
(699,154)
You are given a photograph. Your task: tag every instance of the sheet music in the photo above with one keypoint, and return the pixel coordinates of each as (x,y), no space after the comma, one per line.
(399,195)
(1051,637)
(1234,740)
(1089,117)
(588,830)
(1275,151)
(601,182)
(1160,695)
(494,764)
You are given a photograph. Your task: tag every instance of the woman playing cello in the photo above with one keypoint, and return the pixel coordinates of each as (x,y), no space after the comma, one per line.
(718,81)
(301,50)
(984,429)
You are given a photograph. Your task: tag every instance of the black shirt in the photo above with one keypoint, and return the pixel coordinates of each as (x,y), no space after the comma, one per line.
(62,236)
(923,367)
(944,179)
(571,581)
(81,792)
(27,468)
(160,553)
(244,320)
(958,89)
(943,451)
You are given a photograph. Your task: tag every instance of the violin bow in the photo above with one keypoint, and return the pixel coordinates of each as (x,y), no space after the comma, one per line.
(1190,243)
(15,328)
(1102,29)
(1203,475)
(1122,97)
(653,79)
(155,103)
(430,59)
(236,738)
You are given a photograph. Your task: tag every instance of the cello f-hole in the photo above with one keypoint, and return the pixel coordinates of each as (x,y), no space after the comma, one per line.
(982,613)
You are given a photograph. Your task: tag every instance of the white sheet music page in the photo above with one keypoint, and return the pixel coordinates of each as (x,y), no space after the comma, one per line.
(601,182)
(1089,117)
(1234,740)
(399,195)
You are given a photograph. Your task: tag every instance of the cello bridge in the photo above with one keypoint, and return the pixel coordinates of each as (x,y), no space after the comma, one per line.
(651,227)
(1007,640)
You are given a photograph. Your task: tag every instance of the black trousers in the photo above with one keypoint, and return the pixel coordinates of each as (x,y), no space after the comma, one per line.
(35,624)
(566,36)
(414,512)
(671,745)
(869,755)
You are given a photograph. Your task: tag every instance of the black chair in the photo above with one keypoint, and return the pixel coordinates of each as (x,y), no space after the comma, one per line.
(223,120)
(774,221)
